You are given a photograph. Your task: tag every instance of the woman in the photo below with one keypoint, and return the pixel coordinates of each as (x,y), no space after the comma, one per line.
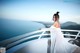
(56,20)
(58,43)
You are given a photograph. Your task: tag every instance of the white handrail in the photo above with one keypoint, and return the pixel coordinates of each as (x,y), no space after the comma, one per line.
(16,42)
(76,36)
(48,29)
(13,39)
(24,36)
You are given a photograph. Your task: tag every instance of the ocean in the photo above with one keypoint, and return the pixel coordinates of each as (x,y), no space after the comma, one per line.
(12,28)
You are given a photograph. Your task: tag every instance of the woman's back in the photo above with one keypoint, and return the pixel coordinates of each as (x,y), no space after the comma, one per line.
(56,24)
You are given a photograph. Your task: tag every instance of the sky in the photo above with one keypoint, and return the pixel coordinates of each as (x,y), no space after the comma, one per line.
(41,10)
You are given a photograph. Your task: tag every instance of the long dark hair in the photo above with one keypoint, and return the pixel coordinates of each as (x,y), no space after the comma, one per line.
(56,16)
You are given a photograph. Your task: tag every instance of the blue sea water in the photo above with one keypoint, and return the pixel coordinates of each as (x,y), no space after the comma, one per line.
(12,28)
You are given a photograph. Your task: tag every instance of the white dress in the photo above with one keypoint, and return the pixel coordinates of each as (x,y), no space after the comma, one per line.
(58,43)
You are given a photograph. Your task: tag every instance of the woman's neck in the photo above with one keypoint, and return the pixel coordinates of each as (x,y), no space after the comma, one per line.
(56,21)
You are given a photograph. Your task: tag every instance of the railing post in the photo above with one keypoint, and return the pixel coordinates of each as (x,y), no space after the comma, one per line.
(41,34)
(77,35)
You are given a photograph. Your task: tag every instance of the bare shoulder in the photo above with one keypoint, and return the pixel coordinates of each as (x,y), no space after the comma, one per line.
(56,24)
